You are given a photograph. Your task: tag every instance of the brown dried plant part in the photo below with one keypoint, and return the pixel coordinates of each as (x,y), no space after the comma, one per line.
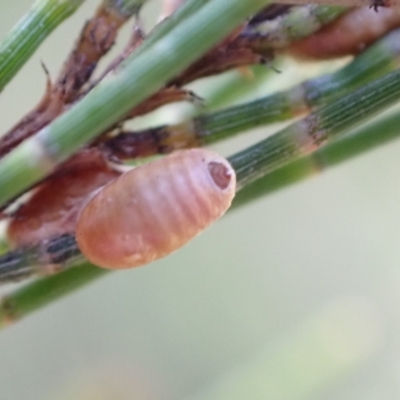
(51,105)
(165,96)
(135,40)
(96,39)
(235,51)
(55,205)
(129,145)
(349,34)
(162,97)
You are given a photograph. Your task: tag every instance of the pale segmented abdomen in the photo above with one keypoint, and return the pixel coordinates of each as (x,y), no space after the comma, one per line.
(153,210)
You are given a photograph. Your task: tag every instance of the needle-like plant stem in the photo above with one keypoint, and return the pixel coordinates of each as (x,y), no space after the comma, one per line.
(26,36)
(357,142)
(45,291)
(325,124)
(187,9)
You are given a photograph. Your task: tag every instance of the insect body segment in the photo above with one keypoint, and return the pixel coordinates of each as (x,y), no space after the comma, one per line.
(153,210)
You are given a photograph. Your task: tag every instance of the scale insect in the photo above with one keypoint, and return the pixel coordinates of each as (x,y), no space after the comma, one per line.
(153,210)
(129,220)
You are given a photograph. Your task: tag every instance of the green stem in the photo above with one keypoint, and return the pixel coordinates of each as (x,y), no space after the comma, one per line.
(30,32)
(319,127)
(188,8)
(366,138)
(44,291)
(236,85)
(138,78)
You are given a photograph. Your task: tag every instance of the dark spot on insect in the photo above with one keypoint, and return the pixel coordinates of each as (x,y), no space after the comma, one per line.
(220,174)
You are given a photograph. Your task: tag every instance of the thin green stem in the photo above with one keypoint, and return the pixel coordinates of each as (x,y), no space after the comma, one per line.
(363,139)
(30,32)
(138,78)
(188,8)
(319,127)
(45,291)
(236,85)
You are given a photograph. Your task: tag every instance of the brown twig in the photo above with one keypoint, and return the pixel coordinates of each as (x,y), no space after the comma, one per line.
(96,39)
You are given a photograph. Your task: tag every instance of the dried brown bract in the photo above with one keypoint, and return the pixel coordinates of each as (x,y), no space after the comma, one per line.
(96,39)
(349,34)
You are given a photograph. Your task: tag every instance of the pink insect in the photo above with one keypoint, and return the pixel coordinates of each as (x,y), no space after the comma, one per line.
(121,220)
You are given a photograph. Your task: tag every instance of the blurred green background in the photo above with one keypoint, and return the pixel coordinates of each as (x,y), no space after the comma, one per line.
(296,296)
